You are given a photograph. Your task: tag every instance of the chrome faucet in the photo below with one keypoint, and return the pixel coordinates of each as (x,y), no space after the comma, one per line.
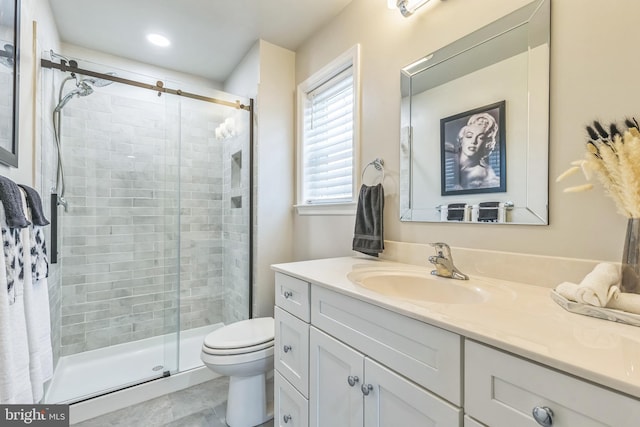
(444,263)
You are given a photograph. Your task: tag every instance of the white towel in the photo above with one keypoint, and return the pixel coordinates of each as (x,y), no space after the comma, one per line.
(15,382)
(599,286)
(626,302)
(36,308)
(567,290)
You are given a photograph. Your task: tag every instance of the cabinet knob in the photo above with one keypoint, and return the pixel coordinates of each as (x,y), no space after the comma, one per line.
(288,294)
(287,348)
(543,415)
(366,388)
(352,380)
(286,418)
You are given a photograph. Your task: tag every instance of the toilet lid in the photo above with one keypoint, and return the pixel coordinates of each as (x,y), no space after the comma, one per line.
(245,333)
(235,351)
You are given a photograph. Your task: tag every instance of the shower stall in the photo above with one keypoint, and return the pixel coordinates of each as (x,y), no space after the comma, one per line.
(150,245)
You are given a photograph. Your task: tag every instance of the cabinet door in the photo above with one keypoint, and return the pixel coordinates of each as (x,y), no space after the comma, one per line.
(392,400)
(333,401)
(470,422)
(292,349)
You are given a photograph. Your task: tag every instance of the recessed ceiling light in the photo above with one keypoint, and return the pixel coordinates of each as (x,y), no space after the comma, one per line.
(158,40)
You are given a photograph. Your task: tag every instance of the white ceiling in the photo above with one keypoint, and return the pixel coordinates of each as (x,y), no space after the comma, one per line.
(208,37)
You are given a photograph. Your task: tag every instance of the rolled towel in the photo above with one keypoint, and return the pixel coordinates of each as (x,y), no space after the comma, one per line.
(567,290)
(625,302)
(599,286)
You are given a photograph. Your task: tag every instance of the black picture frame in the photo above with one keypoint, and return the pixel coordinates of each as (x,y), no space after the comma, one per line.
(465,138)
(10,59)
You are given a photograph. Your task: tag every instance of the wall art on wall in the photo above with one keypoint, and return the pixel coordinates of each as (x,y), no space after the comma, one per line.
(472,150)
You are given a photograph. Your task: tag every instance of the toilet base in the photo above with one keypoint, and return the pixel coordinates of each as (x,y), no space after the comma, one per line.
(247,401)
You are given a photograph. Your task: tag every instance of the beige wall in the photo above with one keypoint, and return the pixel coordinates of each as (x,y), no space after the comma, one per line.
(594,74)
(267,74)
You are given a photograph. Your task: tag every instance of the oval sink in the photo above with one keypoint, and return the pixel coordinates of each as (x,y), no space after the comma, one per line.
(417,286)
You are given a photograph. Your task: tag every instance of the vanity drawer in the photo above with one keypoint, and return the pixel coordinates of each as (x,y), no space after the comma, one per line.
(427,355)
(292,349)
(502,390)
(291,409)
(293,295)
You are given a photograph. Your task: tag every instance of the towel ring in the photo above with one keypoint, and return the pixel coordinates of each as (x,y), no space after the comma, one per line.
(378,163)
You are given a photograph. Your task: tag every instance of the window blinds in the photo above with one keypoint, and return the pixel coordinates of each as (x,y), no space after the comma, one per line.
(328,141)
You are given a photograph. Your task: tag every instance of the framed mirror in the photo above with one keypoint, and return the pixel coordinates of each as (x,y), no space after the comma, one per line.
(475,125)
(9,73)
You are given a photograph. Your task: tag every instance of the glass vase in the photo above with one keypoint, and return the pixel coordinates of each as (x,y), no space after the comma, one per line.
(631,258)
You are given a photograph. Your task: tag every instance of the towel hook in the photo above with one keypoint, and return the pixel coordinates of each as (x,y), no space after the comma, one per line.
(378,164)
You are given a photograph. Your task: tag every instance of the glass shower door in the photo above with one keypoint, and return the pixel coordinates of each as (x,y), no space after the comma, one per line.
(118,239)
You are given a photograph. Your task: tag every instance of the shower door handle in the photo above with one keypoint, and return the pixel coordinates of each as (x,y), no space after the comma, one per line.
(53,259)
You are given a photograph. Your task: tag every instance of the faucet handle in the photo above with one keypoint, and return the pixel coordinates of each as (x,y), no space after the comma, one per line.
(442,249)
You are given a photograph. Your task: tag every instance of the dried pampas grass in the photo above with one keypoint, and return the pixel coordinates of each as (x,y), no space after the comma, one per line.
(615,158)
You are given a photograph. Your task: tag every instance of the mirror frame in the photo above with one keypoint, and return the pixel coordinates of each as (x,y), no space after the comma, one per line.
(535,209)
(10,156)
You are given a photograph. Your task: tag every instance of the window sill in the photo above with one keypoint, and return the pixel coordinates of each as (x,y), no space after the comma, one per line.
(328,209)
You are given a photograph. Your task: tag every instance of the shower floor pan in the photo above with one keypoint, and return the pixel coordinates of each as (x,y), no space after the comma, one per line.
(92,373)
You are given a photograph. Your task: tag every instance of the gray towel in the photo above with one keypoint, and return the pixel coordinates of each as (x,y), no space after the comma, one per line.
(368,235)
(35,204)
(12,202)
(488,212)
(455,211)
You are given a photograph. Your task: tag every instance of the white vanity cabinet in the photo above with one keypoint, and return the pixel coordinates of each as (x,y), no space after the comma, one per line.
(502,390)
(291,352)
(353,359)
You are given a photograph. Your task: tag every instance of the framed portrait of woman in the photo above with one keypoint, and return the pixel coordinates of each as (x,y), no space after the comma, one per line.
(472,150)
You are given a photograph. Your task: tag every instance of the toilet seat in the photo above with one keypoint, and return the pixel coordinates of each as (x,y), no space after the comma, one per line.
(232,351)
(238,358)
(240,337)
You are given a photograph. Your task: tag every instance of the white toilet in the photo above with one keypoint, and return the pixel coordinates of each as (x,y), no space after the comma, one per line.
(243,351)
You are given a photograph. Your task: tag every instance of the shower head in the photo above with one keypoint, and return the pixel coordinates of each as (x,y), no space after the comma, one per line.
(95,82)
(83,89)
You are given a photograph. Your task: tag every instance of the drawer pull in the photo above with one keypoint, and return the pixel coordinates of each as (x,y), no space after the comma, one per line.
(366,388)
(352,380)
(287,348)
(286,418)
(543,415)
(287,294)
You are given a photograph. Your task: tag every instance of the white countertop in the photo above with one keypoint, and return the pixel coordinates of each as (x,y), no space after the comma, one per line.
(521,319)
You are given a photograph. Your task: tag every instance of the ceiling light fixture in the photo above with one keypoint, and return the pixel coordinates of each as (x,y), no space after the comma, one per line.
(158,40)
(407,7)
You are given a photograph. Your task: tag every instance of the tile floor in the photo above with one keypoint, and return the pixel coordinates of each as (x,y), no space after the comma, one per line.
(203,405)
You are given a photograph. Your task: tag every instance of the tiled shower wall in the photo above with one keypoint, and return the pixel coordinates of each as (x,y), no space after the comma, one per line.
(121,235)
(236,221)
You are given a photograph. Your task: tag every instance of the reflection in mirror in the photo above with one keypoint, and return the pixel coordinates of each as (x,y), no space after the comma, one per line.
(475,125)
(9,32)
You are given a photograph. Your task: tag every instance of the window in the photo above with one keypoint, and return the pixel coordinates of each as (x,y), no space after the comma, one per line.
(327,138)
